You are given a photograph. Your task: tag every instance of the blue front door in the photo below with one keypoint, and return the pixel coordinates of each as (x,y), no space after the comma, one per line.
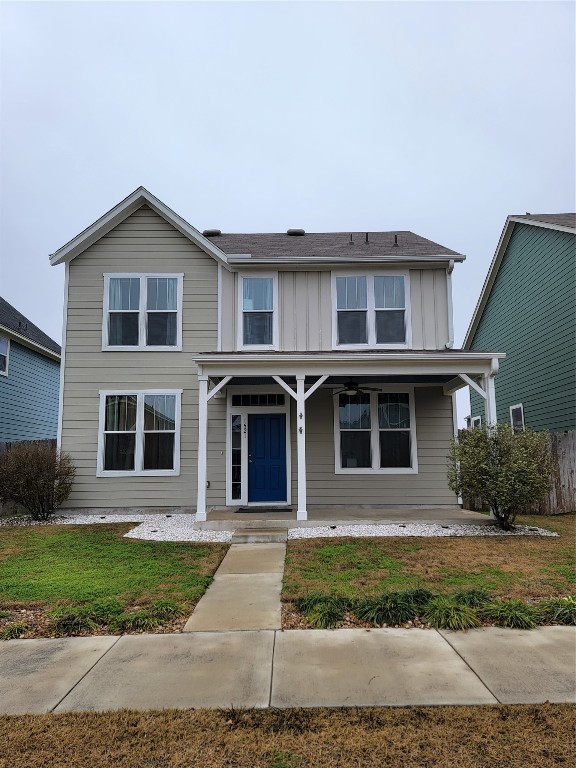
(267,457)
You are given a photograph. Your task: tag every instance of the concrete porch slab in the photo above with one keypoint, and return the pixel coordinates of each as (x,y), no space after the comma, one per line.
(36,674)
(224,669)
(253,558)
(521,666)
(239,601)
(377,667)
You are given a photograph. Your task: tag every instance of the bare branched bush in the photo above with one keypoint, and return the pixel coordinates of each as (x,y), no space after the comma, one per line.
(36,476)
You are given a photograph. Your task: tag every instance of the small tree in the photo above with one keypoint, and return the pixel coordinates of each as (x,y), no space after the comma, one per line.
(509,471)
(36,476)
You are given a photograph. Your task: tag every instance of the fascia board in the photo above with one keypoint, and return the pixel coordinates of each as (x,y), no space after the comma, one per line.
(25,342)
(489,281)
(542,224)
(312,261)
(234,359)
(122,211)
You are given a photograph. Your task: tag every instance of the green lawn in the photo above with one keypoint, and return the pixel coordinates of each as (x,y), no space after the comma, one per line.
(46,565)
(522,567)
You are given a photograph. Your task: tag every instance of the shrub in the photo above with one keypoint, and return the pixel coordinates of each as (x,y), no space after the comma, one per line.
(36,476)
(167,609)
(515,614)
(475,598)
(445,613)
(561,610)
(70,620)
(388,608)
(136,620)
(5,614)
(508,471)
(14,630)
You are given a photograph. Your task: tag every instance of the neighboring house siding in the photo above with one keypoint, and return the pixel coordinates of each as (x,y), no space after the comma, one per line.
(29,396)
(305,308)
(531,315)
(142,243)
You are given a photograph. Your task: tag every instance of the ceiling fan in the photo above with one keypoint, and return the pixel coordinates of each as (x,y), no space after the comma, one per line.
(352,388)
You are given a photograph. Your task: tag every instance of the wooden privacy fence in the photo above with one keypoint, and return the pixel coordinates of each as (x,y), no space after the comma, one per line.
(562,496)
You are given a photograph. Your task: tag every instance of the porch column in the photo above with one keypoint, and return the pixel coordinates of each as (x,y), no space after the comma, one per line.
(301,512)
(490,389)
(202,446)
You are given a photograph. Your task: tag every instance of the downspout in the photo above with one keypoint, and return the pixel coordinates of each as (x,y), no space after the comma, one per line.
(449,271)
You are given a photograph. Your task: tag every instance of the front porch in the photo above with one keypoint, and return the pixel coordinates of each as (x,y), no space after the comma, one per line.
(230,520)
(381,445)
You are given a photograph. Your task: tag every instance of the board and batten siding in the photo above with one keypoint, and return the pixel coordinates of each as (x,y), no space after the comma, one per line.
(305,309)
(531,316)
(429,487)
(29,396)
(144,242)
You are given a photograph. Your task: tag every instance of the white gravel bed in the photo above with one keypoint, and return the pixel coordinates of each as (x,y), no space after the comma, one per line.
(413,529)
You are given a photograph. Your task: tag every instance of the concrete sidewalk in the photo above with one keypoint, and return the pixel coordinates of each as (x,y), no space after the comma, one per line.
(308,668)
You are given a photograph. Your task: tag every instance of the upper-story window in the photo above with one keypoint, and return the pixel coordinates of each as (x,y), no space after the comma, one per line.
(4,347)
(257,323)
(371,310)
(142,312)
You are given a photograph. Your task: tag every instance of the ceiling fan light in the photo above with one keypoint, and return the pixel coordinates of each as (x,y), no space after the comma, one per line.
(351,392)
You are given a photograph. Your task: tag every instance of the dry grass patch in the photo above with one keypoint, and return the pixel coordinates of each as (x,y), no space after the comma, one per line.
(524,567)
(416,737)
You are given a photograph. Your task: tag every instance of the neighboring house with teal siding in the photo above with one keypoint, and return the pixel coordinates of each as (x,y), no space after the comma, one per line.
(527,309)
(29,379)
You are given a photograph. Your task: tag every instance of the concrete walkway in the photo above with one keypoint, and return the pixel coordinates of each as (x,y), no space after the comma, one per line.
(245,593)
(308,668)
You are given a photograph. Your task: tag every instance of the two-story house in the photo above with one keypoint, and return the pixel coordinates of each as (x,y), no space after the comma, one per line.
(209,370)
(527,307)
(29,379)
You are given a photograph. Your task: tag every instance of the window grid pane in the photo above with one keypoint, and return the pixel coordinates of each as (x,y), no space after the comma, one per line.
(236,457)
(393,410)
(389,292)
(258,294)
(120,413)
(352,327)
(161,329)
(354,412)
(390,326)
(258,328)
(159,413)
(124,293)
(161,293)
(351,292)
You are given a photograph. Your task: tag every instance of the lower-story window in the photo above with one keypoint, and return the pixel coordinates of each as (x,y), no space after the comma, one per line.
(139,433)
(375,432)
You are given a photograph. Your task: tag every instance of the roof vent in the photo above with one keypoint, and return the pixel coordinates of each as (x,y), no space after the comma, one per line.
(295,232)
(212,233)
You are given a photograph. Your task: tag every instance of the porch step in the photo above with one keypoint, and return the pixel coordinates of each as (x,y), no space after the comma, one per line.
(259,535)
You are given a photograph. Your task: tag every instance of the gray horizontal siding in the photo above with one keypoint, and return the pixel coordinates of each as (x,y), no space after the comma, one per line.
(29,396)
(531,315)
(142,243)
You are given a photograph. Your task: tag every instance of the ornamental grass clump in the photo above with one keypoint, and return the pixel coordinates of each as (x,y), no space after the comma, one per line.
(445,613)
(14,630)
(418,596)
(559,610)
(70,620)
(36,476)
(514,614)
(166,609)
(475,598)
(387,608)
(137,620)
(324,615)
(507,470)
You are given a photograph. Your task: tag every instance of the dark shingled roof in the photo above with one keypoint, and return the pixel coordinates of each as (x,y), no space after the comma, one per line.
(15,321)
(330,244)
(557,219)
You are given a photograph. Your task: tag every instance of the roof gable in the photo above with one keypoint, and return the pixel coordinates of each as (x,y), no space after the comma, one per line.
(120,213)
(563,222)
(13,321)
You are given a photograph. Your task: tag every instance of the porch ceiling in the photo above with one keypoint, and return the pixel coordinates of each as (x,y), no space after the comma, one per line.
(245,381)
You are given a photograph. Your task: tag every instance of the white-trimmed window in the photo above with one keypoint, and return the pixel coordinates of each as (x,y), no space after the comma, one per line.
(476,422)
(142,311)
(139,433)
(517,417)
(375,432)
(4,351)
(258,321)
(371,310)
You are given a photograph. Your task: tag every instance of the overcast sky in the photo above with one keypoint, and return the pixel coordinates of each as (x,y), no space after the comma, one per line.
(438,117)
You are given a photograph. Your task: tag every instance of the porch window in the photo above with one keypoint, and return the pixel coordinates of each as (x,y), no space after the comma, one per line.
(371,310)
(375,432)
(4,347)
(139,433)
(236,456)
(143,312)
(258,311)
